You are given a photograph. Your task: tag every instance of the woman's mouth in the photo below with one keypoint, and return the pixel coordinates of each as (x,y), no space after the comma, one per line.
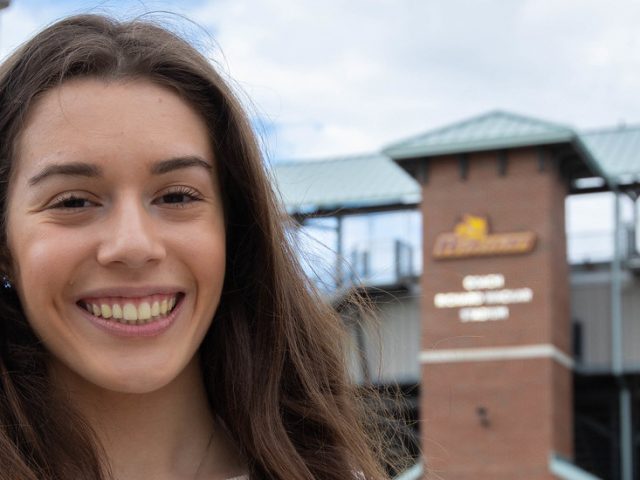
(132,311)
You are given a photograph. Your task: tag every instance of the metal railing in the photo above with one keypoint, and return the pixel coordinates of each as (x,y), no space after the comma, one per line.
(381,263)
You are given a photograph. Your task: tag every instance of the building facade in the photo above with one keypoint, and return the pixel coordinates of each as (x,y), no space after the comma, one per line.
(526,363)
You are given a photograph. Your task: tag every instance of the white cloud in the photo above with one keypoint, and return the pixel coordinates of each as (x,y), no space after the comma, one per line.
(370,72)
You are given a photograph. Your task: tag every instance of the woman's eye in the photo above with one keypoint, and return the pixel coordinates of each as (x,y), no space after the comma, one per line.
(176,198)
(71,202)
(179,197)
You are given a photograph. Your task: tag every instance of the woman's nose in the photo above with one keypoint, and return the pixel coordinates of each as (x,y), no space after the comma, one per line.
(132,237)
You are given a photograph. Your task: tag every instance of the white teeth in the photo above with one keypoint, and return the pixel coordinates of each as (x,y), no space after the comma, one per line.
(129,313)
(144,311)
(163,307)
(105,310)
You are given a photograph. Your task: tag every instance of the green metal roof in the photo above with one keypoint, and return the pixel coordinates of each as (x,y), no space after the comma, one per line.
(343,182)
(375,180)
(491,131)
(616,151)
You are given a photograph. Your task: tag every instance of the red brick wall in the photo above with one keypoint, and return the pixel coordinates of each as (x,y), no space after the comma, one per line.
(528,401)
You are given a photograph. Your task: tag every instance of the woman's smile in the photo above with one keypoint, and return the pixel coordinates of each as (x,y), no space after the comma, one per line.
(116,231)
(131,310)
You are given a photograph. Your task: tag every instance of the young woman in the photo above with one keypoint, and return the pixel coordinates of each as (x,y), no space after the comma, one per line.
(154,321)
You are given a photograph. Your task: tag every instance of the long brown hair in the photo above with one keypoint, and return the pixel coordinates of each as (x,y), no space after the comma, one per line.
(274,360)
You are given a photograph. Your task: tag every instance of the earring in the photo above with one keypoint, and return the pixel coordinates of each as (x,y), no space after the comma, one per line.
(6,283)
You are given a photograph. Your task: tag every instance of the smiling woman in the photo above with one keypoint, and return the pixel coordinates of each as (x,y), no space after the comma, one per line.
(113,196)
(157,324)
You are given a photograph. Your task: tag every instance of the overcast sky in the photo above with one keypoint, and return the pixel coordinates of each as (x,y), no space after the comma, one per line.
(335,77)
(338,76)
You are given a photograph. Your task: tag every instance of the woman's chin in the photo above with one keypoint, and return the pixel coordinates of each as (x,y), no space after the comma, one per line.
(126,379)
(134,383)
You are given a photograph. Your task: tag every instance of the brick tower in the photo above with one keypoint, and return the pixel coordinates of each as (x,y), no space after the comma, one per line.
(496,347)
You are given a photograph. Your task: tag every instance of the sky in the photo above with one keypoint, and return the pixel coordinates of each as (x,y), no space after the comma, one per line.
(339,77)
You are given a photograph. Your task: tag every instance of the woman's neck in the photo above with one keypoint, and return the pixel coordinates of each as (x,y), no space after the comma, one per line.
(166,434)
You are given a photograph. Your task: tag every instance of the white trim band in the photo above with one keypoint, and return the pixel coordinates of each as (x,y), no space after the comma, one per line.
(456,355)
(566,470)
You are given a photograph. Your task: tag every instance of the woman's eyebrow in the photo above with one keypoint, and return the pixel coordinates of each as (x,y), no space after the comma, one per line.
(177,163)
(82,169)
(73,169)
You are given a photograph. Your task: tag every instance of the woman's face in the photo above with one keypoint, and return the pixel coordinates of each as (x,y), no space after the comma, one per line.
(115,227)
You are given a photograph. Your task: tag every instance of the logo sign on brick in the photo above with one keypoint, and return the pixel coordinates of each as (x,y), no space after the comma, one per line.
(471,238)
